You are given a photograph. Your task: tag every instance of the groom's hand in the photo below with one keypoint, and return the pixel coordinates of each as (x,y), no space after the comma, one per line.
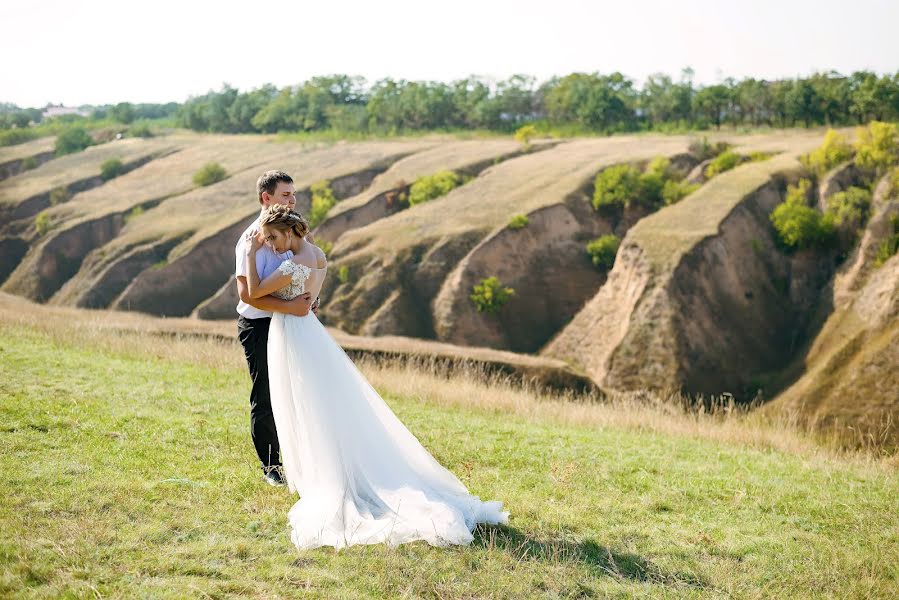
(299,306)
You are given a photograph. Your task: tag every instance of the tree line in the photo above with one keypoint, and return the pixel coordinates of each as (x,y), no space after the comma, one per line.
(587,102)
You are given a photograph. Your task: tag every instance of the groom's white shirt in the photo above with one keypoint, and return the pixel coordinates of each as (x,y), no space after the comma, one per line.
(267,261)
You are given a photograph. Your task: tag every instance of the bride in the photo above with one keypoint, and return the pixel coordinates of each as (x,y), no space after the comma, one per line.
(362,477)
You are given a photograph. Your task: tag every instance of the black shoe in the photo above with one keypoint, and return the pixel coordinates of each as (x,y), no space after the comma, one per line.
(273,475)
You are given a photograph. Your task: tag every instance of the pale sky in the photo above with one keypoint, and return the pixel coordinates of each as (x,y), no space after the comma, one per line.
(97,51)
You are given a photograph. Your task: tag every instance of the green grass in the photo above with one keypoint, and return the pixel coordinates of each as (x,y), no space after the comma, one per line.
(127,474)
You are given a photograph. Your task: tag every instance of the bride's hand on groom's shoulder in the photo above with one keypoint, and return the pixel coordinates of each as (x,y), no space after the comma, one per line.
(254,241)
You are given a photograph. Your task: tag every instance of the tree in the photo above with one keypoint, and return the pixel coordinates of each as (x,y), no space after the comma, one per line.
(711,103)
(123,112)
(73,139)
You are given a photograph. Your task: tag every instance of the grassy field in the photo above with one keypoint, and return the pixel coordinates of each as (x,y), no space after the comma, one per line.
(127,471)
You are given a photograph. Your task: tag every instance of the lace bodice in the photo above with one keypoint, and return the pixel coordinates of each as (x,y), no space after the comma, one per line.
(302,279)
(298,276)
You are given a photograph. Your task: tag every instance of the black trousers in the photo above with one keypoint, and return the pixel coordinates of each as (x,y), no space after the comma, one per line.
(253,335)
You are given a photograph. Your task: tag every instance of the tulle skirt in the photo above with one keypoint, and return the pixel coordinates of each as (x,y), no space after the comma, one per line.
(362,477)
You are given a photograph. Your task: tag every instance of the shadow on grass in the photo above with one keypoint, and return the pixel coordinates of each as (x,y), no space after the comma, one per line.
(620,565)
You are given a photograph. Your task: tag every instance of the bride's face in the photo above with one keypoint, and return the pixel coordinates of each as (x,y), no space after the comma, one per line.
(278,240)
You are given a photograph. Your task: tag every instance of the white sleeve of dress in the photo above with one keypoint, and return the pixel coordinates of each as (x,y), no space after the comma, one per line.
(297,272)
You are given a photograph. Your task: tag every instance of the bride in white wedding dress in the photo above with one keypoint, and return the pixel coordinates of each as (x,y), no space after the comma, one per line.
(362,477)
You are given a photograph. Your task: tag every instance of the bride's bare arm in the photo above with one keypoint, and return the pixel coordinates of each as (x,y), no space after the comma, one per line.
(299,306)
(272,283)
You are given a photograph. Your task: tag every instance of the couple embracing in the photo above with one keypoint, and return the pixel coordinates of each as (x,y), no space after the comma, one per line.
(317,424)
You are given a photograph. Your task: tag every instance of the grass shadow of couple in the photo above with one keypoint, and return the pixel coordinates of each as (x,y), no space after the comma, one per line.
(620,565)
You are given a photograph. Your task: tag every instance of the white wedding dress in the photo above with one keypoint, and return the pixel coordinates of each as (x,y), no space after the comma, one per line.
(363,478)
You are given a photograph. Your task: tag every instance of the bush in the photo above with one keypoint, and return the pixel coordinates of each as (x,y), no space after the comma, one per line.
(723,162)
(850,208)
(326,247)
(432,186)
(890,246)
(893,182)
(489,296)
(675,191)
(623,185)
(135,212)
(760,156)
(833,151)
(616,186)
(524,135)
(322,201)
(141,130)
(210,173)
(660,165)
(603,249)
(111,169)
(74,139)
(877,146)
(59,195)
(518,222)
(42,223)
(797,224)
(343,274)
(29,163)
(702,149)
(11,137)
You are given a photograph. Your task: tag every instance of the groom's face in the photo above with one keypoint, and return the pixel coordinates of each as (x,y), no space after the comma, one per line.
(284,194)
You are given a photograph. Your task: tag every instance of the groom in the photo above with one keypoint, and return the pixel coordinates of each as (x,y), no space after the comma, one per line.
(254,318)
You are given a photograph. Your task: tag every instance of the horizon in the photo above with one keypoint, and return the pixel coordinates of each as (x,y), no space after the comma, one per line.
(91,59)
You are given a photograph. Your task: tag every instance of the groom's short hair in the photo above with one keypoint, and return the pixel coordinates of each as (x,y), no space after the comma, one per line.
(269,180)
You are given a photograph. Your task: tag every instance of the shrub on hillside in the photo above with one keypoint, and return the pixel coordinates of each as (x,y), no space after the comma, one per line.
(42,223)
(833,151)
(343,274)
(111,169)
(675,191)
(210,173)
(890,246)
(850,208)
(141,130)
(877,146)
(519,222)
(723,162)
(29,163)
(433,186)
(524,134)
(624,185)
(489,295)
(59,195)
(74,139)
(798,225)
(323,200)
(11,137)
(616,186)
(702,149)
(603,250)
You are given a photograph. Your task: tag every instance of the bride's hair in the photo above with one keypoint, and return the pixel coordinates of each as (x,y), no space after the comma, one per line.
(282,218)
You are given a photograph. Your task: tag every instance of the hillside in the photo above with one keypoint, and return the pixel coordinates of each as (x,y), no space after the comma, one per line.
(699,297)
(139,480)
(850,374)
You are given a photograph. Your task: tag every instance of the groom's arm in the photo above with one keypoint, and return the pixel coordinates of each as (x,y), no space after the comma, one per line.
(299,306)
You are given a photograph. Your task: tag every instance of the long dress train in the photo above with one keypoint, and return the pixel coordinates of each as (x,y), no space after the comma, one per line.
(363,478)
